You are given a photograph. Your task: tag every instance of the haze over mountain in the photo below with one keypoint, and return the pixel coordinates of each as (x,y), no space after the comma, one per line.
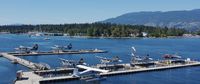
(190,20)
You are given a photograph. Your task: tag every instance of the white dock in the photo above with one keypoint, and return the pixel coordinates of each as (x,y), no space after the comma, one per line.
(194,63)
(26,63)
(45,80)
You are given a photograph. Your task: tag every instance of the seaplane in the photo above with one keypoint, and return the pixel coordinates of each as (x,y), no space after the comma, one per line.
(171,56)
(46,38)
(89,74)
(58,47)
(25,49)
(141,61)
(72,63)
(105,60)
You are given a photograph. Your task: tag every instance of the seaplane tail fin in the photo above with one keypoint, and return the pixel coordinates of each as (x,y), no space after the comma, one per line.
(133,48)
(132,54)
(61,59)
(92,69)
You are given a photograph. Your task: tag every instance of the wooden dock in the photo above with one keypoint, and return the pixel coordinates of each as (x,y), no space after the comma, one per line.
(26,63)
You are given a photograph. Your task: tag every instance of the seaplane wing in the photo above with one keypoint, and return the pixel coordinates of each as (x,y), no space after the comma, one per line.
(57,46)
(68,61)
(83,72)
(62,59)
(91,69)
(54,47)
(100,57)
(132,54)
(120,61)
(176,56)
(29,47)
(17,48)
(103,58)
(22,46)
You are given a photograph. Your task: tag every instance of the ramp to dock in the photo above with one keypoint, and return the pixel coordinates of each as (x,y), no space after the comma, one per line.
(26,63)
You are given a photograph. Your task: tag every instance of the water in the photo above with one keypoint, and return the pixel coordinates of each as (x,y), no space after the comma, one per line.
(116,47)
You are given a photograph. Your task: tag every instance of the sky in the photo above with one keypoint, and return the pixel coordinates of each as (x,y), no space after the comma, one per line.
(81,11)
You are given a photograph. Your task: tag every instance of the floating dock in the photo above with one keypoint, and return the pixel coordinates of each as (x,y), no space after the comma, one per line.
(40,79)
(58,52)
(26,63)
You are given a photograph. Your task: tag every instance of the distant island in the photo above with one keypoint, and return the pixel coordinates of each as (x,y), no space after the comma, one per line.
(98,30)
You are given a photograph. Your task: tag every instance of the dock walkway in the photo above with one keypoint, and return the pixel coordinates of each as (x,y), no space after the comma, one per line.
(58,53)
(45,80)
(32,79)
(29,64)
(195,63)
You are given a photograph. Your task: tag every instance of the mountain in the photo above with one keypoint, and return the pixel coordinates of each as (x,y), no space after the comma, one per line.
(190,20)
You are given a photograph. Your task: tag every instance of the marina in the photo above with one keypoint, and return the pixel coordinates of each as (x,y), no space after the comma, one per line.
(80,69)
(40,80)
(106,67)
(56,50)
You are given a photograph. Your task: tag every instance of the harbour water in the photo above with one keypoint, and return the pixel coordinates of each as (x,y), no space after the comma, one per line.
(155,47)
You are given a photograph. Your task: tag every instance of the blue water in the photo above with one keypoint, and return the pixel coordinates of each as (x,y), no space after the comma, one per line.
(116,47)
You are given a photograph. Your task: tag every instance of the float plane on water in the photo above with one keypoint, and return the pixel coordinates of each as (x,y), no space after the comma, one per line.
(105,60)
(58,47)
(27,49)
(89,73)
(171,56)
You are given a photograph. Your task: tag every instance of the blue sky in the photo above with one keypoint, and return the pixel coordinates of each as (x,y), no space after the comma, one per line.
(81,11)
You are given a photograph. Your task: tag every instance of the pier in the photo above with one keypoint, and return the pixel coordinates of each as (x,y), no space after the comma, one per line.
(26,63)
(127,70)
(58,52)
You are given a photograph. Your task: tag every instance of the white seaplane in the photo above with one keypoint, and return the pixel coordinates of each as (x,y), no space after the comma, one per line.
(105,60)
(89,73)
(58,47)
(24,49)
(138,60)
(72,63)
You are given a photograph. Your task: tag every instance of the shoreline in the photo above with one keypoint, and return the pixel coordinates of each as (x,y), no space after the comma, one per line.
(94,37)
